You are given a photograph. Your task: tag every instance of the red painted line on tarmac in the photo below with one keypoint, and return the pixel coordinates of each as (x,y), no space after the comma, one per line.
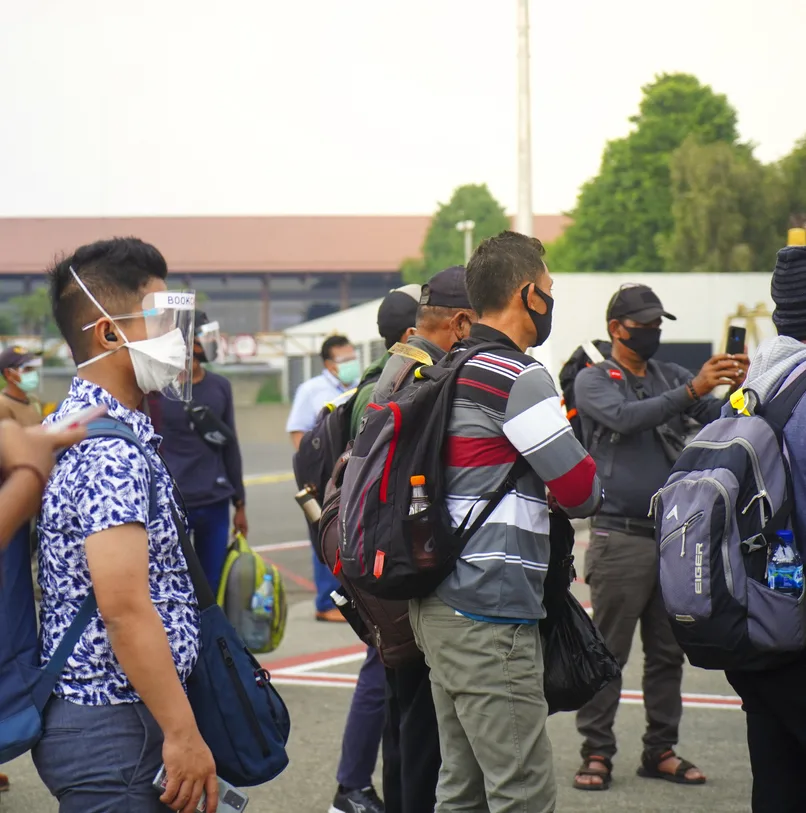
(300,581)
(313,657)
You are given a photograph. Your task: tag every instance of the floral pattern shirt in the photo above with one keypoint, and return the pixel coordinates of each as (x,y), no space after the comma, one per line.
(103,483)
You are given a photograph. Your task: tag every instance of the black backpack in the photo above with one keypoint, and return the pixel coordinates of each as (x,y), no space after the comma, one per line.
(402,438)
(321,446)
(586,355)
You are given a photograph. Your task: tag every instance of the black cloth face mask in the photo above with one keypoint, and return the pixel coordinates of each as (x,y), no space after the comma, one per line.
(644,341)
(541,321)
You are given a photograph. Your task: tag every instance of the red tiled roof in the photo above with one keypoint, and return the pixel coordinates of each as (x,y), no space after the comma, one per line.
(218,244)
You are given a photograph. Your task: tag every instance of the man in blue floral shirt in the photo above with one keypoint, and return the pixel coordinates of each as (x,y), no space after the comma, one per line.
(120,707)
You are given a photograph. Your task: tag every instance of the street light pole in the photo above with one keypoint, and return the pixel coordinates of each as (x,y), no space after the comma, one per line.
(466,227)
(525,222)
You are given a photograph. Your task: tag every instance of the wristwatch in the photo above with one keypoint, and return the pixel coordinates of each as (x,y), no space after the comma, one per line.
(238,504)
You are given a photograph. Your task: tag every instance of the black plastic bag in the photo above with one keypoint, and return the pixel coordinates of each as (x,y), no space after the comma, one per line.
(576,662)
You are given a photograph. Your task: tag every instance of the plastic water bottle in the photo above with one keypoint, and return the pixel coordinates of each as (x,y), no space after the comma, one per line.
(422,537)
(263,599)
(785,567)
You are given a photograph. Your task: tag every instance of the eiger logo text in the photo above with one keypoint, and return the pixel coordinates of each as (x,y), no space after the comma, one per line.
(698,569)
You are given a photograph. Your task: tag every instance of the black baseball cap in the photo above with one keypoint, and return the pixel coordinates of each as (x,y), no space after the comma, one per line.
(14,357)
(398,312)
(447,289)
(637,302)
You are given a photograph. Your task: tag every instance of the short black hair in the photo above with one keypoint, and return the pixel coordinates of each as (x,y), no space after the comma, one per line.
(115,272)
(499,267)
(331,343)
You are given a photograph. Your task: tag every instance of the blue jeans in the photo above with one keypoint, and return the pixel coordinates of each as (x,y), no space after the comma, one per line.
(210,527)
(365,724)
(325,582)
(99,759)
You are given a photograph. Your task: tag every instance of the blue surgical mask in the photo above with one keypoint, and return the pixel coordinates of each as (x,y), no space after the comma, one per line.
(29,382)
(348,372)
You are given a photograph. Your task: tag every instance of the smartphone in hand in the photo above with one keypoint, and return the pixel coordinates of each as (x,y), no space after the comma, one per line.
(230,799)
(737,337)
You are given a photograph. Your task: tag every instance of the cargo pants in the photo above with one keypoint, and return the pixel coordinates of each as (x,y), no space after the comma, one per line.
(622,571)
(487,685)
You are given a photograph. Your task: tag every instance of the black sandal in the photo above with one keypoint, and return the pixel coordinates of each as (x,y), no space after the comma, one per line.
(649,769)
(586,770)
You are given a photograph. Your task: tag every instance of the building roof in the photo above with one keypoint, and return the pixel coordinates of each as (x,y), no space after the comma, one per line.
(238,244)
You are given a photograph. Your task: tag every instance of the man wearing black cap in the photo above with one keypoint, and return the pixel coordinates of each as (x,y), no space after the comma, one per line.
(365,720)
(632,411)
(200,446)
(774,699)
(20,369)
(396,317)
(411,757)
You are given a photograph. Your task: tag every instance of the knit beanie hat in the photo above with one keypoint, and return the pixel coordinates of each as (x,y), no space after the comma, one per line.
(789,292)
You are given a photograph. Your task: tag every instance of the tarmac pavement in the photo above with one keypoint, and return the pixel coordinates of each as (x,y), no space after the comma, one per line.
(315,670)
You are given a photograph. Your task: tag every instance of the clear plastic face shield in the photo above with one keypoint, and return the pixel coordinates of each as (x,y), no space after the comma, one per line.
(208,336)
(163,361)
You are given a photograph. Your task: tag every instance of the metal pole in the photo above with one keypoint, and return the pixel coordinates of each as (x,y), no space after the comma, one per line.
(525,222)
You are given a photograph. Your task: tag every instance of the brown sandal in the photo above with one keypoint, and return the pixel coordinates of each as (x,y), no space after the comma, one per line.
(586,770)
(649,769)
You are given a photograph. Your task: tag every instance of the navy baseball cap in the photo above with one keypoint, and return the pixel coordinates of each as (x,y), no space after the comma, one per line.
(447,289)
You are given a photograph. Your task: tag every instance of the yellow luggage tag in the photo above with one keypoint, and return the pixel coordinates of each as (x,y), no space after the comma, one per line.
(409,352)
(737,401)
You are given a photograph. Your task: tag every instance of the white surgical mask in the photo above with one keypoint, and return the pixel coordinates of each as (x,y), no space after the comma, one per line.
(157,362)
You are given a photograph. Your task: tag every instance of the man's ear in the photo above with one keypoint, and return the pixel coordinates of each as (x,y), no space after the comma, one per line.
(412,331)
(614,328)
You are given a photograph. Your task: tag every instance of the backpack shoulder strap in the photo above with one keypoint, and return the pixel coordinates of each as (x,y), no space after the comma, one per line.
(113,428)
(779,410)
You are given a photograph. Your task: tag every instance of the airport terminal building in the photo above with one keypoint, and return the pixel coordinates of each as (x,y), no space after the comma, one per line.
(265,274)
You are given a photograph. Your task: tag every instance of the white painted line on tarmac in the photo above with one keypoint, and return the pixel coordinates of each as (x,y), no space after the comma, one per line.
(306,668)
(307,675)
(298,543)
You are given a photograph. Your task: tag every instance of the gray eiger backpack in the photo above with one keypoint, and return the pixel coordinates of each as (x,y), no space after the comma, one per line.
(729,493)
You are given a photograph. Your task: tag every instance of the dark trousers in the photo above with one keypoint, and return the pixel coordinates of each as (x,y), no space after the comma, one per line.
(775,704)
(411,757)
(210,527)
(95,759)
(622,571)
(364,728)
(324,581)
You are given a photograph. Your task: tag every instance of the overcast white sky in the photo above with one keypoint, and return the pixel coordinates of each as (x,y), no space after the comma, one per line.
(359,106)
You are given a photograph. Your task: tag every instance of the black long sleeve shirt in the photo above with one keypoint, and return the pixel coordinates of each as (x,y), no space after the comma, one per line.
(204,474)
(619,429)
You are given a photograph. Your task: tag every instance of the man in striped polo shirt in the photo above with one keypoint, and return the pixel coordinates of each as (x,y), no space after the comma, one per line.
(479,630)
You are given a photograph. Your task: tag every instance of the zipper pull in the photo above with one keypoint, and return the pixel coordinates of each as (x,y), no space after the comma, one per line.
(653,504)
(683,545)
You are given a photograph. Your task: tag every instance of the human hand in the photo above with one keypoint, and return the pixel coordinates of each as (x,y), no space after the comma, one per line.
(189,769)
(741,373)
(33,448)
(239,522)
(718,371)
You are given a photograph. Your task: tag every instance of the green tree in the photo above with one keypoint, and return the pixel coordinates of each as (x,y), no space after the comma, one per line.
(33,312)
(621,212)
(792,173)
(444,245)
(723,201)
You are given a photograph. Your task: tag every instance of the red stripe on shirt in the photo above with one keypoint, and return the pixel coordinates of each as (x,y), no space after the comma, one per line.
(468,382)
(574,487)
(474,452)
(498,363)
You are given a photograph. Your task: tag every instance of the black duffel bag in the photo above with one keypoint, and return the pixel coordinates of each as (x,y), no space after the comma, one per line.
(576,662)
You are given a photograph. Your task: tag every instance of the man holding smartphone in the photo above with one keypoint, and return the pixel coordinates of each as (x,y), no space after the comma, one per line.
(632,410)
